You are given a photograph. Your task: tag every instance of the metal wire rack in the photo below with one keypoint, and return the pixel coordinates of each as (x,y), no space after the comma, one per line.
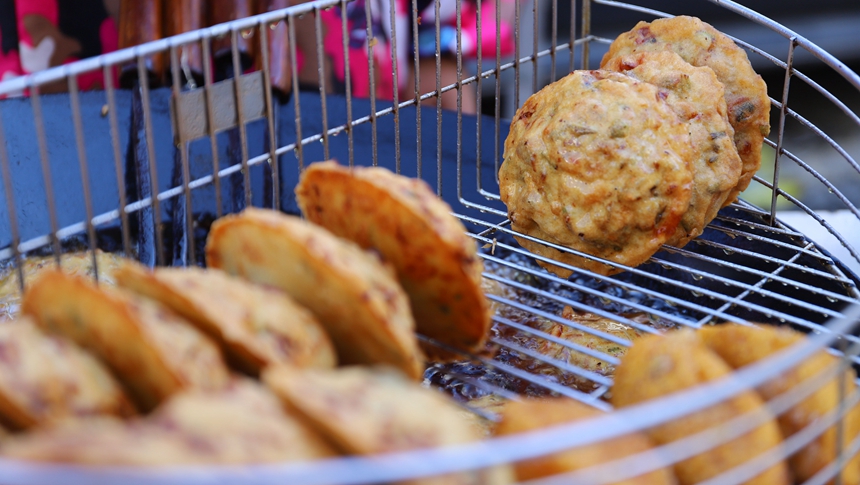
(145,170)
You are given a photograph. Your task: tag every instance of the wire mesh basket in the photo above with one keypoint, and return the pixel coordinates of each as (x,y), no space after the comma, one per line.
(144,171)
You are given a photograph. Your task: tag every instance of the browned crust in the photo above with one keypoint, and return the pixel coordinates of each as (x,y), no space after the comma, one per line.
(698,98)
(354,296)
(149,349)
(701,44)
(367,410)
(659,365)
(45,378)
(596,162)
(741,345)
(255,326)
(533,414)
(414,230)
(241,424)
(78,263)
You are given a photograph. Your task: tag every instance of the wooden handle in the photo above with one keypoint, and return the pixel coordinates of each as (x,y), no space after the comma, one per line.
(221,11)
(280,71)
(140,21)
(184,16)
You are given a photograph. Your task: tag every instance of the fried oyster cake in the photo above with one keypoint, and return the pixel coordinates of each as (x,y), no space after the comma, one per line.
(659,365)
(373,409)
(741,345)
(78,263)
(254,325)
(151,350)
(350,291)
(240,424)
(44,378)
(697,97)
(596,162)
(533,414)
(700,44)
(414,230)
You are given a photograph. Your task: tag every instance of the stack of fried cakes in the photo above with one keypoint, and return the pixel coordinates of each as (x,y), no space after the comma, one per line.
(616,162)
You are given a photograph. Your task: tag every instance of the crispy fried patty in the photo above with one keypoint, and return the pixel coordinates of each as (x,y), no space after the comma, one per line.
(697,97)
(700,44)
(597,162)
(660,365)
(402,218)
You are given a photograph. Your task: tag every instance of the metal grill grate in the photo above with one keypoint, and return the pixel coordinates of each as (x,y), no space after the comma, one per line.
(160,163)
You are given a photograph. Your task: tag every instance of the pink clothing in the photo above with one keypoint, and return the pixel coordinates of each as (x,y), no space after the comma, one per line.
(381,29)
(46,33)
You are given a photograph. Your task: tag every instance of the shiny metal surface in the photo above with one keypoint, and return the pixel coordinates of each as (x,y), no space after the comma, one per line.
(748,266)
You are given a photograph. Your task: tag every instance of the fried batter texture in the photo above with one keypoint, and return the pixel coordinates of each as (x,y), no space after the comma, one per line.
(587,331)
(698,98)
(700,44)
(413,229)
(599,163)
(370,410)
(658,365)
(530,415)
(45,377)
(151,350)
(353,295)
(255,326)
(741,345)
(79,263)
(240,424)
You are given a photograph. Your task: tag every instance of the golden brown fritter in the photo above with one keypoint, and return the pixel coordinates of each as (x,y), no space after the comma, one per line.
(658,365)
(367,410)
(80,263)
(596,162)
(700,44)
(99,441)
(241,424)
(741,345)
(255,326)
(697,97)
(151,350)
(533,414)
(371,410)
(492,405)
(413,229)
(354,296)
(45,378)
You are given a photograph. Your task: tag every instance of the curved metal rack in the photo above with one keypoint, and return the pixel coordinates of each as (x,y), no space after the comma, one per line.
(748,266)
